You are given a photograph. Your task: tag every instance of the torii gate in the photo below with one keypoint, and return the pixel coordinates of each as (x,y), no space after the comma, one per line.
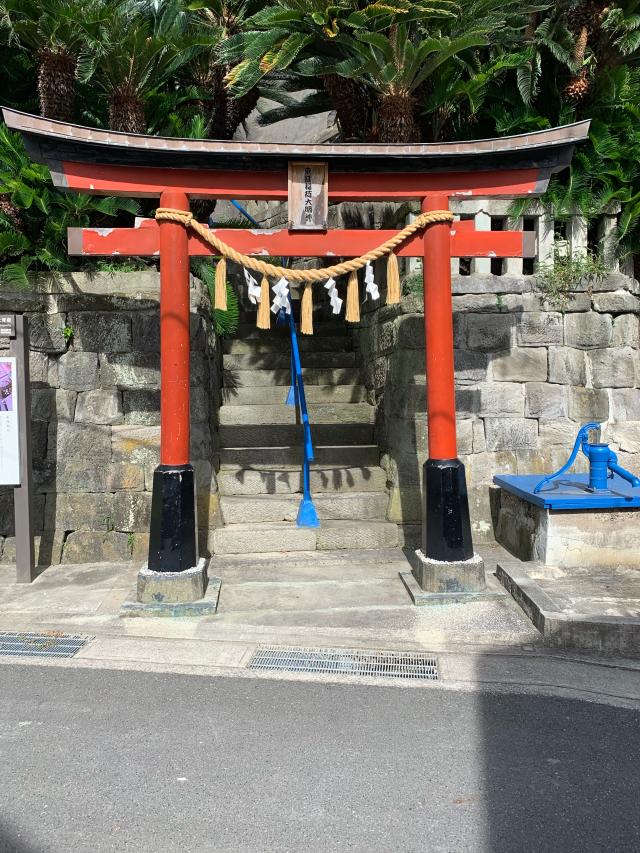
(174,170)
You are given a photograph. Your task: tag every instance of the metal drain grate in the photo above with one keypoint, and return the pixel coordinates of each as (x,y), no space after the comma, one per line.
(346,662)
(51,645)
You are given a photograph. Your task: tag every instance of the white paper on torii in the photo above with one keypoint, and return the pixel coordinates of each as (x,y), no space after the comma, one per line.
(334,299)
(255,294)
(281,299)
(372,287)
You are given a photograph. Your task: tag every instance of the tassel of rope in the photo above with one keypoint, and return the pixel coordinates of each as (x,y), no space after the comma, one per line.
(352,265)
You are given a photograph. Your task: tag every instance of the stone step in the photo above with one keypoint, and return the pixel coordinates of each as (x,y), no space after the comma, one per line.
(257,537)
(233,379)
(288,480)
(353,506)
(263,457)
(307,344)
(285,435)
(271,395)
(333,328)
(273,360)
(336,413)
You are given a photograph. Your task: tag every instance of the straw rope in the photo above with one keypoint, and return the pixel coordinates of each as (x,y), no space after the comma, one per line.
(170,214)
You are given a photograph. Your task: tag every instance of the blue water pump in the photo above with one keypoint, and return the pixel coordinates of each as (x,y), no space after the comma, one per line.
(603,464)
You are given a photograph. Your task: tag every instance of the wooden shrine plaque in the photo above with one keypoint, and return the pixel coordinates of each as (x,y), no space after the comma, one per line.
(308,196)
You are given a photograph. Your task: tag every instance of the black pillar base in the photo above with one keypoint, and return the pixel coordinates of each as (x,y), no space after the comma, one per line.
(172,537)
(446,528)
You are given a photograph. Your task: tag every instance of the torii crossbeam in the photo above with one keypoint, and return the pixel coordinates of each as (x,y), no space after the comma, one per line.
(175,170)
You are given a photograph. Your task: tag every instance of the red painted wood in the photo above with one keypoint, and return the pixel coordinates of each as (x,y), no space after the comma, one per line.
(438,324)
(174,336)
(464,242)
(134,181)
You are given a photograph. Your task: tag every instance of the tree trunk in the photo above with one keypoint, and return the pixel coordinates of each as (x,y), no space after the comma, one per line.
(126,112)
(56,84)
(239,110)
(396,119)
(351,102)
(229,113)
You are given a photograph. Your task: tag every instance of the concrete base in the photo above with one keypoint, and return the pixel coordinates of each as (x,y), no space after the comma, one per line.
(188,593)
(421,598)
(577,619)
(440,576)
(569,539)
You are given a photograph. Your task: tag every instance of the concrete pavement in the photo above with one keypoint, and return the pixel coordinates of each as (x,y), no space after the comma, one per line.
(348,600)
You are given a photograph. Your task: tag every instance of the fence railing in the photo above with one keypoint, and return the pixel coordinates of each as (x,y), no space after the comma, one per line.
(569,235)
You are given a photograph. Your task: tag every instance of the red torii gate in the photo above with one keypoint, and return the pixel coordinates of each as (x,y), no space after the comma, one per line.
(175,170)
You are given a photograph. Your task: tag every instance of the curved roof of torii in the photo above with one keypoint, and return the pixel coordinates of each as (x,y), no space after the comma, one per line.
(55,143)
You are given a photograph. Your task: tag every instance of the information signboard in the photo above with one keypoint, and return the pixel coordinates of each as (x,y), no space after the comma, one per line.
(7,326)
(9,433)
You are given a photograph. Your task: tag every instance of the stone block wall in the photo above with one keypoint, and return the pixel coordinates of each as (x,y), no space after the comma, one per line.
(95,406)
(527,377)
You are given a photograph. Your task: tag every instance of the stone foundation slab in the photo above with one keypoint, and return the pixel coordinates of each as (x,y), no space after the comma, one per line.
(571,630)
(568,538)
(421,598)
(174,594)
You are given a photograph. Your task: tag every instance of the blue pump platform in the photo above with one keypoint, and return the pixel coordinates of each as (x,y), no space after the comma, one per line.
(570,492)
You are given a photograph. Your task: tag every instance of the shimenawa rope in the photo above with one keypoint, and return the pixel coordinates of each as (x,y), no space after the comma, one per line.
(351,265)
(164,214)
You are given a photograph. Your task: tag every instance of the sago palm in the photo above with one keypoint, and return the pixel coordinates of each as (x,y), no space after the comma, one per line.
(136,49)
(291,33)
(395,65)
(55,32)
(213,22)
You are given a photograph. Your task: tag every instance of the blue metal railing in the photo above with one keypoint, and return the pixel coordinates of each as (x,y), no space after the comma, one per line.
(307,514)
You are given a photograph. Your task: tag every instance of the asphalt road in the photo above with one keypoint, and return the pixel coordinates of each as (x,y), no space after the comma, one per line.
(94,760)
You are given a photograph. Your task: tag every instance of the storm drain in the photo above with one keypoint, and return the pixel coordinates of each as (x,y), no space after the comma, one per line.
(346,662)
(51,645)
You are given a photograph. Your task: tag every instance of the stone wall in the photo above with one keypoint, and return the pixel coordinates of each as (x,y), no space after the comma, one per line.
(96,413)
(527,376)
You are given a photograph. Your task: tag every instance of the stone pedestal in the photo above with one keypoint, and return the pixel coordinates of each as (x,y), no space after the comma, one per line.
(571,539)
(440,576)
(445,582)
(188,593)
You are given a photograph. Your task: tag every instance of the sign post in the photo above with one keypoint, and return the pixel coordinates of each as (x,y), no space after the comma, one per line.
(15,438)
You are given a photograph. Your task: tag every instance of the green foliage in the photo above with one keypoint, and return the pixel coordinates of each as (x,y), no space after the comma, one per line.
(68,334)
(35,216)
(465,69)
(114,265)
(136,47)
(321,32)
(48,24)
(413,283)
(557,280)
(225,322)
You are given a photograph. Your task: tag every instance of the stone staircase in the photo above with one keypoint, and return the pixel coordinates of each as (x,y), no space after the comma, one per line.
(260,476)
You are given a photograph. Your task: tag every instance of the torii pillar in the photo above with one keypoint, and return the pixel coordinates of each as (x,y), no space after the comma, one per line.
(173,533)
(446,562)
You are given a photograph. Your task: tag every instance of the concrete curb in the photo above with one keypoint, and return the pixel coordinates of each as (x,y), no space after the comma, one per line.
(610,634)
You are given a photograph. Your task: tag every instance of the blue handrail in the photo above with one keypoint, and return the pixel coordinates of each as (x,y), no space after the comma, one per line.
(307,513)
